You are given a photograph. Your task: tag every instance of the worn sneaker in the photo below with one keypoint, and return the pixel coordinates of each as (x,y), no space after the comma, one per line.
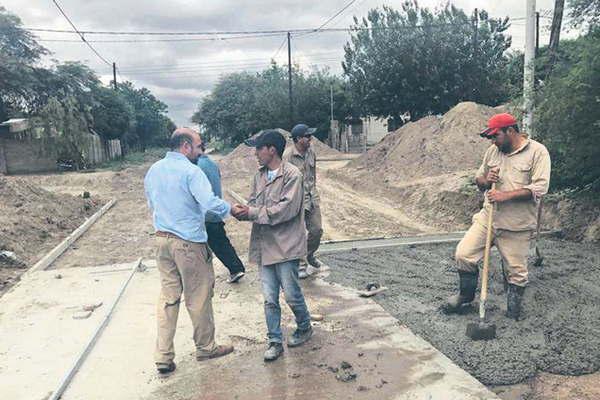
(273,351)
(315,262)
(165,368)
(233,278)
(299,337)
(220,351)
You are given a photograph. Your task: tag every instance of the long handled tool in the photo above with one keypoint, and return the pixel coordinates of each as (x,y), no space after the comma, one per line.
(482,330)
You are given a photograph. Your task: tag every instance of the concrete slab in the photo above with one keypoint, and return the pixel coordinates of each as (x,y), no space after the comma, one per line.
(40,339)
(390,361)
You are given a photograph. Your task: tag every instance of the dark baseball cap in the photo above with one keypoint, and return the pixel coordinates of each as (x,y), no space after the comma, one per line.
(269,137)
(301,130)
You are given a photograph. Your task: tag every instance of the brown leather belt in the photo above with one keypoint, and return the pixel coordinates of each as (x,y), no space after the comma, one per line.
(166,235)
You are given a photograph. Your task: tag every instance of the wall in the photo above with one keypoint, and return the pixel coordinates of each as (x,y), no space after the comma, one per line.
(24,156)
(375,129)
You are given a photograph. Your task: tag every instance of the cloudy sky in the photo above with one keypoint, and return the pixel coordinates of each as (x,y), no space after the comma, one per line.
(181,72)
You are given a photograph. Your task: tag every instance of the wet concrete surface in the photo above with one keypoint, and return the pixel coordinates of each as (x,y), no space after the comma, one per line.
(560,329)
(357,351)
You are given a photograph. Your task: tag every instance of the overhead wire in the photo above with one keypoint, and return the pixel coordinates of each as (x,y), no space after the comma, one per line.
(80,33)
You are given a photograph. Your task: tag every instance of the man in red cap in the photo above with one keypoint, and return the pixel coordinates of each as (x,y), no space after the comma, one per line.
(520,168)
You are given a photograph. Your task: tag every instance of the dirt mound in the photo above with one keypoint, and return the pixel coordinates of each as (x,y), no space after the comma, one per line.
(242,161)
(431,146)
(33,220)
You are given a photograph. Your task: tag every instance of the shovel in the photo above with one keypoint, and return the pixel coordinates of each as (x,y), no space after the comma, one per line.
(482,330)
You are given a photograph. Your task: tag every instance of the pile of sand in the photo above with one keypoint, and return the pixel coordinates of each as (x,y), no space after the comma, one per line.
(431,146)
(33,220)
(241,162)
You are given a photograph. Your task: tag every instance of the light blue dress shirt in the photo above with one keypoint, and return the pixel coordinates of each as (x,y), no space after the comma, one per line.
(179,195)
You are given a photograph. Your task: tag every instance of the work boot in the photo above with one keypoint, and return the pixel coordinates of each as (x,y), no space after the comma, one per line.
(466,294)
(299,337)
(220,351)
(514,299)
(273,352)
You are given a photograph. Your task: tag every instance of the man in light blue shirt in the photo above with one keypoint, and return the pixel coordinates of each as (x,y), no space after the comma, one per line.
(215,227)
(179,195)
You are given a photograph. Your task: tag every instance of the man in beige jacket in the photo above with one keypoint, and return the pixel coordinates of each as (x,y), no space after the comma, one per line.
(303,156)
(520,168)
(278,238)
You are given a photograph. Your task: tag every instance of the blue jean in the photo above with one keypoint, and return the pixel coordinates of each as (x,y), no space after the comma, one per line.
(282,275)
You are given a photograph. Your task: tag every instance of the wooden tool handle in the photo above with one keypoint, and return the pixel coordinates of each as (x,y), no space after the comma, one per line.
(486,259)
(237,197)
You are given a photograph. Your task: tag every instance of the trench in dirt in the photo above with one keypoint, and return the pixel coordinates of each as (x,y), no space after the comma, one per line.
(560,329)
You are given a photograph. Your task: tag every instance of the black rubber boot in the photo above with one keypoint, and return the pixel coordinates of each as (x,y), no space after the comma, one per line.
(514,299)
(466,294)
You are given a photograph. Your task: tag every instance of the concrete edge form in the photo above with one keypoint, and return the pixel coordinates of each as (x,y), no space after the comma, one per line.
(56,252)
(66,380)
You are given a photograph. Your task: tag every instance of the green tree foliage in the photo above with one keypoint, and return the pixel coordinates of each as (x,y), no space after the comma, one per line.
(424,61)
(112,115)
(242,104)
(69,99)
(568,116)
(584,12)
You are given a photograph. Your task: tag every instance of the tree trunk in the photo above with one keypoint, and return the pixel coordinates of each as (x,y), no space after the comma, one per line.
(559,6)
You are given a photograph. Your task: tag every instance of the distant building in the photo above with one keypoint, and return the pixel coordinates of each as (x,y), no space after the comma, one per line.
(22,150)
(357,135)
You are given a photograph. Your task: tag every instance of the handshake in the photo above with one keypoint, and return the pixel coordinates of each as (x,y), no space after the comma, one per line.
(240,211)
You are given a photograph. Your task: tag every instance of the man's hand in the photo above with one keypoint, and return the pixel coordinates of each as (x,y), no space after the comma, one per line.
(240,211)
(492,176)
(496,196)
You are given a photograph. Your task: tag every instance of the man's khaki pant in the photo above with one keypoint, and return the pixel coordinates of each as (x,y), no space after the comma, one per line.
(185,268)
(314,229)
(512,246)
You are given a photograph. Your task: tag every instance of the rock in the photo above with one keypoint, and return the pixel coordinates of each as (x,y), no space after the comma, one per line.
(316,317)
(346,375)
(92,306)
(295,375)
(11,259)
(345,365)
(362,388)
(361,354)
(86,195)
(58,276)
(82,315)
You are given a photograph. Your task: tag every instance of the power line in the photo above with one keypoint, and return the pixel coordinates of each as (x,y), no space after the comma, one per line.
(280,47)
(256,32)
(335,15)
(80,34)
(211,39)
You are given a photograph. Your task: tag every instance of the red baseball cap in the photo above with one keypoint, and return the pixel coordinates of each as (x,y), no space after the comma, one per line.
(496,122)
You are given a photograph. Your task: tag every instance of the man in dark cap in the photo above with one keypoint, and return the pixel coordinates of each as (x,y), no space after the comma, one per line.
(302,155)
(278,238)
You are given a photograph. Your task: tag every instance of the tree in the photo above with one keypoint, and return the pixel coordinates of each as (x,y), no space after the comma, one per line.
(19,52)
(425,62)
(112,116)
(584,12)
(568,114)
(242,104)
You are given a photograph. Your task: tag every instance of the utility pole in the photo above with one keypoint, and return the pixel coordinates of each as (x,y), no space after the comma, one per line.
(473,94)
(537,34)
(115,76)
(331,100)
(529,68)
(290,80)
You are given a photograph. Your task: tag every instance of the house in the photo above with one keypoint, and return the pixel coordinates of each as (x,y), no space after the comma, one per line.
(357,135)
